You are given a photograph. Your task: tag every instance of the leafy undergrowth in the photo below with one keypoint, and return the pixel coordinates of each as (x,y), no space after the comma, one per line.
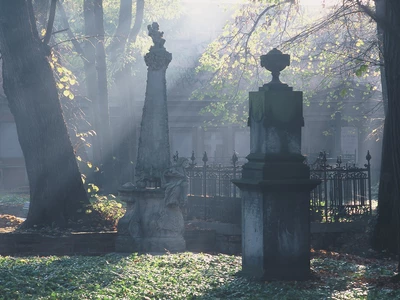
(102,215)
(188,276)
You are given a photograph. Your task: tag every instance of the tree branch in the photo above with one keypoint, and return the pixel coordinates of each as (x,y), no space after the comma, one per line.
(50,23)
(255,25)
(385,25)
(71,35)
(138,21)
(124,25)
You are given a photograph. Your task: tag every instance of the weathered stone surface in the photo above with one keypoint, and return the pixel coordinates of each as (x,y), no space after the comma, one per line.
(150,225)
(275,183)
(153,221)
(154,150)
(252,233)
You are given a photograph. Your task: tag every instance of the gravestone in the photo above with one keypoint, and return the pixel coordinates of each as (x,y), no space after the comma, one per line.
(275,183)
(153,221)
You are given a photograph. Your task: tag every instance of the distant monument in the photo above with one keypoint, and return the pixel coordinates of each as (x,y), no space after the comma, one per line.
(153,221)
(275,182)
(153,152)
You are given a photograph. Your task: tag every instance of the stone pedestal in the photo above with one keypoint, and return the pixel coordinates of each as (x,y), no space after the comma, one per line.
(153,221)
(149,225)
(276,228)
(276,183)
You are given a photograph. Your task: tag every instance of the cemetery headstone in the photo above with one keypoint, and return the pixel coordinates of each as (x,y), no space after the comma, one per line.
(153,221)
(275,183)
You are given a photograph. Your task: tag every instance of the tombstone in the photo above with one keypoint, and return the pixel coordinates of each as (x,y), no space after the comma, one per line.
(349,143)
(337,150)
(275,183)
(153,221)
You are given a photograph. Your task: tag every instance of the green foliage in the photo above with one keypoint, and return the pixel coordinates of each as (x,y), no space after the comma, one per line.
(64,78)
(154,10)
(109,206)
(183,276)
(334,53)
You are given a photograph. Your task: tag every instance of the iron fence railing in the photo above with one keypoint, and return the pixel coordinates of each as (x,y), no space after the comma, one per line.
(345,189)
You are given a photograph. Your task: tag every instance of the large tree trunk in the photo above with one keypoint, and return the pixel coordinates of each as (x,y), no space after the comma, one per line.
(389,193)
(56,190)
(391,53)
(385,231)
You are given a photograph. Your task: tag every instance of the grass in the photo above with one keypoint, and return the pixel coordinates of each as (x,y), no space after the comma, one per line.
(187,276)
(14,199)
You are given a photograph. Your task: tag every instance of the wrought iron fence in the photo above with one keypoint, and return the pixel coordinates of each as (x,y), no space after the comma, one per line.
(345,190)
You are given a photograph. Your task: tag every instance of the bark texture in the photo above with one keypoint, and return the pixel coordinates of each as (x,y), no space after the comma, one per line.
(56,190)
(388,224)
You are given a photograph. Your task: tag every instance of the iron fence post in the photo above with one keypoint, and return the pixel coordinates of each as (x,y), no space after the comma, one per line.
(192,165)
(368,166)
(324,168)
(234,161)
(205,159)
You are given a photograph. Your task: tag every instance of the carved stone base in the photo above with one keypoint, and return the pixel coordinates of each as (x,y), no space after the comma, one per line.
(148,224)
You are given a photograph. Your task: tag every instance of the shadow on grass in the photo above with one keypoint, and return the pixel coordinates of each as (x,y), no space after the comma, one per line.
(322,285)
(57,277)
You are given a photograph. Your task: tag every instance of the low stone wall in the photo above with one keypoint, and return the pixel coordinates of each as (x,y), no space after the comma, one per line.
(200,240)
(72,244)
(228,239)
(201,237)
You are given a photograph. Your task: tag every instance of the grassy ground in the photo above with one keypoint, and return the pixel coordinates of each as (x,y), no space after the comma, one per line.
(188,276)
(13,199)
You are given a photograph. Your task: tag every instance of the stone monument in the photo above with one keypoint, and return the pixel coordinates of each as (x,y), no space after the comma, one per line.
(153,221)
(275,182)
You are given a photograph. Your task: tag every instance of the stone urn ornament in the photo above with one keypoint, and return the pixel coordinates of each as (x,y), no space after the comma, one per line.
(275,62)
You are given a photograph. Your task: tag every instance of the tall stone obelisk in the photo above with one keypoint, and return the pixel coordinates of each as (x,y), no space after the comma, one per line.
(154,151)
(153,221)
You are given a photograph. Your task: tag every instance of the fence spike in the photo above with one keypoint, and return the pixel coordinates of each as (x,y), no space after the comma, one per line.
(234,158)
(368,157)
(205,158)
(339,160)
(192,158)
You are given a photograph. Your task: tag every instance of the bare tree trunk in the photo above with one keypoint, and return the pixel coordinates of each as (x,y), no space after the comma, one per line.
(380,13)
(391,47)
(103,126)
(384,235)
(126,142)
(56,190)
(389,203)
(89,48)
(97,90)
